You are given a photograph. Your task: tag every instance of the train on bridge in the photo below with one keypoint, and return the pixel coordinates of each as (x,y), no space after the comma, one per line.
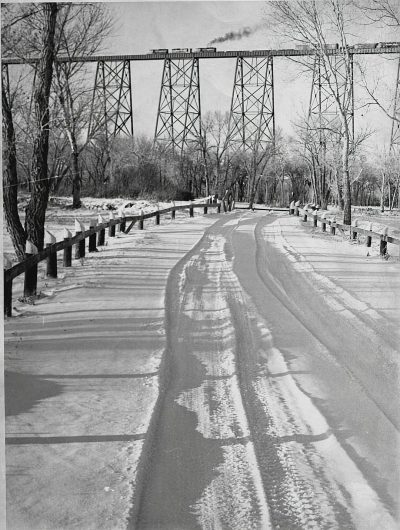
(184,50)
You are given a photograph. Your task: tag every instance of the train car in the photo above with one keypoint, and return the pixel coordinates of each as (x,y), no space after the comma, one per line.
(369,45)
(208,49)
(332,46)
(181,50)
(387,44)
(160,50)
(302,47)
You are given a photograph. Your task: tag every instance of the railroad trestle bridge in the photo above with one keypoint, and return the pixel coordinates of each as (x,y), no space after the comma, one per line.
(252,110)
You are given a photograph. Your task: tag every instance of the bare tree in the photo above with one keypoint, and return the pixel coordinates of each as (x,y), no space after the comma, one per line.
(314,23)
(36,209)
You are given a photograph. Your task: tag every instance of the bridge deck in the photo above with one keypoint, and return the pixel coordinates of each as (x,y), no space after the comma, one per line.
(291,52)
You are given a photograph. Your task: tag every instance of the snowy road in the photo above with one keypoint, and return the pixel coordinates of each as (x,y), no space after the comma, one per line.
(281,400)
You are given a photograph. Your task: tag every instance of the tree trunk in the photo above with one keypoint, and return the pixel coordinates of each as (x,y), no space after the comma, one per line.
(383,192)
(10,180)
(36,209)
(76,179)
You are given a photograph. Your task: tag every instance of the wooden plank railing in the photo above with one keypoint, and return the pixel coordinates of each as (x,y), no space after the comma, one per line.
(324,219)
(29,265)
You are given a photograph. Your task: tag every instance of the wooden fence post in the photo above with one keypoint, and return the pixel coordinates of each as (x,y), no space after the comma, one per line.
(191,209)
(173,210)
(51,262)
(205,210)
(291,208)
(296,208)
(305,214)
(67,254)
(218,206)
(315,219)
(383,243)
(92,237)
(30,281)
(369,238)
(111,228)
(158,216)
(141,220)
(102,232)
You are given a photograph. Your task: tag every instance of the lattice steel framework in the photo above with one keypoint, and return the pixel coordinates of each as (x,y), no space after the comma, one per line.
(252,116)
(179,116)
(323,114)
(111,111)
(395,134)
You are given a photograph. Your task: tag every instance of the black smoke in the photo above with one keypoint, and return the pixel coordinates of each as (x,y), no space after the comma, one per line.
(236,35)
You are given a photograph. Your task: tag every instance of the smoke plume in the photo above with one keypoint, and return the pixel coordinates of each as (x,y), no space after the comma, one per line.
(236,35)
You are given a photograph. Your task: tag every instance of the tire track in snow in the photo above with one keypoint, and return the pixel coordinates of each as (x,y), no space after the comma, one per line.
(309,479)
(203,472)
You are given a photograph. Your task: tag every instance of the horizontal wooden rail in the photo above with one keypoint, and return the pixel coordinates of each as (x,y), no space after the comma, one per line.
(353,229)
(30,262)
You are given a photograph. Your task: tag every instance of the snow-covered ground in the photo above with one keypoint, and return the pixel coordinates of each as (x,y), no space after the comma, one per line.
(276,347)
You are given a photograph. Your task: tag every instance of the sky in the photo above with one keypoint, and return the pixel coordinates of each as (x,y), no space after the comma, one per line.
(142,26)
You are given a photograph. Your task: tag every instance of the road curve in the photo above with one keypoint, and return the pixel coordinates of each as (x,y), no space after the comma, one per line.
(269,418)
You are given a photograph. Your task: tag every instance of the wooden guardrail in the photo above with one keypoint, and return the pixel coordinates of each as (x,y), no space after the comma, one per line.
(96,236)
(352,231)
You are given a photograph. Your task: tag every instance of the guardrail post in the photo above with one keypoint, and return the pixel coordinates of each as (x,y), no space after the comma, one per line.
(315,219)
(323,222)
(67,254)
(173,210)
(305,216)
(101,237)
(111,227)
(191,209)
(30,280)
(141,220)
(383,243)
(333,226)
(205,210)
(354,232)
(7,296)
(92,237)
(296,208)
(7,289)
(122,224)
(158,217)
(369,238)
(291,208)
(80,246)
(51,262)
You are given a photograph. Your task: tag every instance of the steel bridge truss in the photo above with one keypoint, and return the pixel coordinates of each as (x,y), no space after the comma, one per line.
(179,117)
(395,134)
(324,120)
(111,112)
(252,116)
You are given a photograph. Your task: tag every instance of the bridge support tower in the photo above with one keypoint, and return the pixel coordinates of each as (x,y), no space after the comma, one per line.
(252,115)
(111,111)
(179,116)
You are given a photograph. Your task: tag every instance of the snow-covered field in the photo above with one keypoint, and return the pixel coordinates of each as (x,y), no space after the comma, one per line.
(227,371)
